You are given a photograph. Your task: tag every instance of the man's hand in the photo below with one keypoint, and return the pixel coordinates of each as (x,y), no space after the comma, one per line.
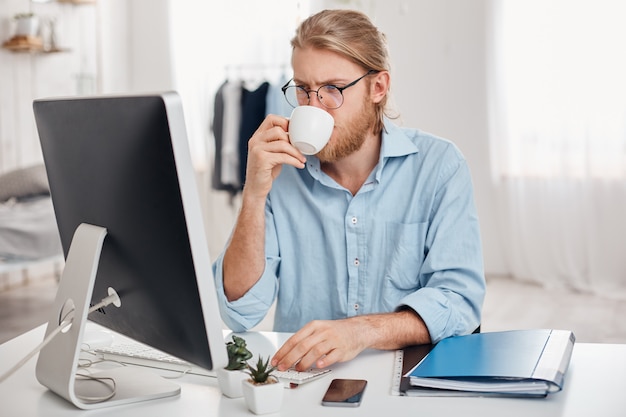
(268,149)
(320,342)
(325,342)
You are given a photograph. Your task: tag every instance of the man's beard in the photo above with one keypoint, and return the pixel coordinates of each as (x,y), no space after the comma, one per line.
(350,137)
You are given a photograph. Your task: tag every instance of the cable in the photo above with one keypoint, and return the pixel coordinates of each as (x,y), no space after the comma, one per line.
(93,400)
(113,298)
(47,340)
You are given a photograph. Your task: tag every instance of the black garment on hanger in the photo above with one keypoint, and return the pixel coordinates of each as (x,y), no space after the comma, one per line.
(218,128)
(253,105)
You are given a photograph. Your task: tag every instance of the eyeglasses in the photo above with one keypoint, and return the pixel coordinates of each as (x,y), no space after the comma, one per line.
(329,95)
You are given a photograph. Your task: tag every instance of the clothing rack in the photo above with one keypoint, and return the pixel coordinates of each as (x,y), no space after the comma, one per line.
(241,103)
(255,66)
(253,72)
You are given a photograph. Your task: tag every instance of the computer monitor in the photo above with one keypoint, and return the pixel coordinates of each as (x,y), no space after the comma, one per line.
(128,213)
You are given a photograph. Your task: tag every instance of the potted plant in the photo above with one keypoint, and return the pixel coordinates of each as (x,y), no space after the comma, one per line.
(262,391)
(230,377)
(27,24)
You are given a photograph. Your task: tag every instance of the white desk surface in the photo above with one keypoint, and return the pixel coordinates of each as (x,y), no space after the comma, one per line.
(595,385)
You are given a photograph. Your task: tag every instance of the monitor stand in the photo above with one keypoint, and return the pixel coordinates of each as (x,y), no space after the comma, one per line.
(57,365)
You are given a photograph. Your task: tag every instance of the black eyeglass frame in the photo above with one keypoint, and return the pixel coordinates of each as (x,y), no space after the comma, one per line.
(340,89)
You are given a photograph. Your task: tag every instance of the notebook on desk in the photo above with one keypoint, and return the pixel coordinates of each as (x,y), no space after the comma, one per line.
(509,363)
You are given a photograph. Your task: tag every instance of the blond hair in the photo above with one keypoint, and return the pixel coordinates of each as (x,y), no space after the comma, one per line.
(352,35)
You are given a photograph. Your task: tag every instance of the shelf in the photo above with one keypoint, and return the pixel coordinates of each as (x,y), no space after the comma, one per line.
(77,1)
(24,44)
(30,44)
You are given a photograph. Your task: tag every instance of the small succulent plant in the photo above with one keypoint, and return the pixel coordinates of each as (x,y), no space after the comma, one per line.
(238,354)
(262,372)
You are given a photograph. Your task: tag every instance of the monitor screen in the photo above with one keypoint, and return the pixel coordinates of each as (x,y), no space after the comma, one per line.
(123,163)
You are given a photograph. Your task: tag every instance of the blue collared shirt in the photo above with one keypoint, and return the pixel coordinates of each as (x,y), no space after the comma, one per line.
(408,238)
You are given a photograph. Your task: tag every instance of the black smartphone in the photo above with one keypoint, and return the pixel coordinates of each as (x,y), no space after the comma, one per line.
(344,393)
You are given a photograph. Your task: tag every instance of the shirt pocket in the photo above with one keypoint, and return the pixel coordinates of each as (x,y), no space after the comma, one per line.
(404,248)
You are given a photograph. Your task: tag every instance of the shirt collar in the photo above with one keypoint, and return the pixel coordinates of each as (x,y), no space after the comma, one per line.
(395,143)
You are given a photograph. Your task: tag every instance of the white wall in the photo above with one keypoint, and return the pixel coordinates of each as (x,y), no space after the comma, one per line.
(25,76)
(135,46)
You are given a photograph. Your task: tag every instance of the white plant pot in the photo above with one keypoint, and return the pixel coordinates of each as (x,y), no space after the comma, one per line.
(230,382)
(263,399)
(27,26)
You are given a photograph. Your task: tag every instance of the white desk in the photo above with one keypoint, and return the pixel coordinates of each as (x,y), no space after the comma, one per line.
(595,386)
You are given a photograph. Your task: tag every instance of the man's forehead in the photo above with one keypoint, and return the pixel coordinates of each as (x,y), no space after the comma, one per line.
(315,66)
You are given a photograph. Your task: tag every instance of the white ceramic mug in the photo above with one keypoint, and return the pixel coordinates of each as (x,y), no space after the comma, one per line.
(310,129)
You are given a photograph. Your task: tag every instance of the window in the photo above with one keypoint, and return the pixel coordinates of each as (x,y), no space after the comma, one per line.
(559,89)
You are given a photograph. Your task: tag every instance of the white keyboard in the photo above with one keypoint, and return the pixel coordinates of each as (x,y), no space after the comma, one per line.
(293,378)
(136,353)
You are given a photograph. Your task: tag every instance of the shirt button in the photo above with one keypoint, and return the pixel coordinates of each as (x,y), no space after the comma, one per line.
(354,220)
(356,262)
(356,306)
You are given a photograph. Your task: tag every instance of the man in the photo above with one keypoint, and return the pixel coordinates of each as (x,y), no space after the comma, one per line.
(371,243)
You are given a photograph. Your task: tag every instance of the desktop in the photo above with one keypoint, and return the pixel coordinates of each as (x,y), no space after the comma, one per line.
(129,217)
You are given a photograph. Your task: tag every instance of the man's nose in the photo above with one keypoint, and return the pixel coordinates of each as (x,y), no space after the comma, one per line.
(314,100)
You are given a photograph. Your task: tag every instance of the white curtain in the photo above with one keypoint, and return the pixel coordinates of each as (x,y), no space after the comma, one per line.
(558,117)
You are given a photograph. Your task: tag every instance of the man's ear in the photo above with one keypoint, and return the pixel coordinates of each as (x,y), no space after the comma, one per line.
(379,86)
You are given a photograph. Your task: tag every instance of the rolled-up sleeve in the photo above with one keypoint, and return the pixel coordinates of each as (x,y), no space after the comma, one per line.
(452,275)
(246,312)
